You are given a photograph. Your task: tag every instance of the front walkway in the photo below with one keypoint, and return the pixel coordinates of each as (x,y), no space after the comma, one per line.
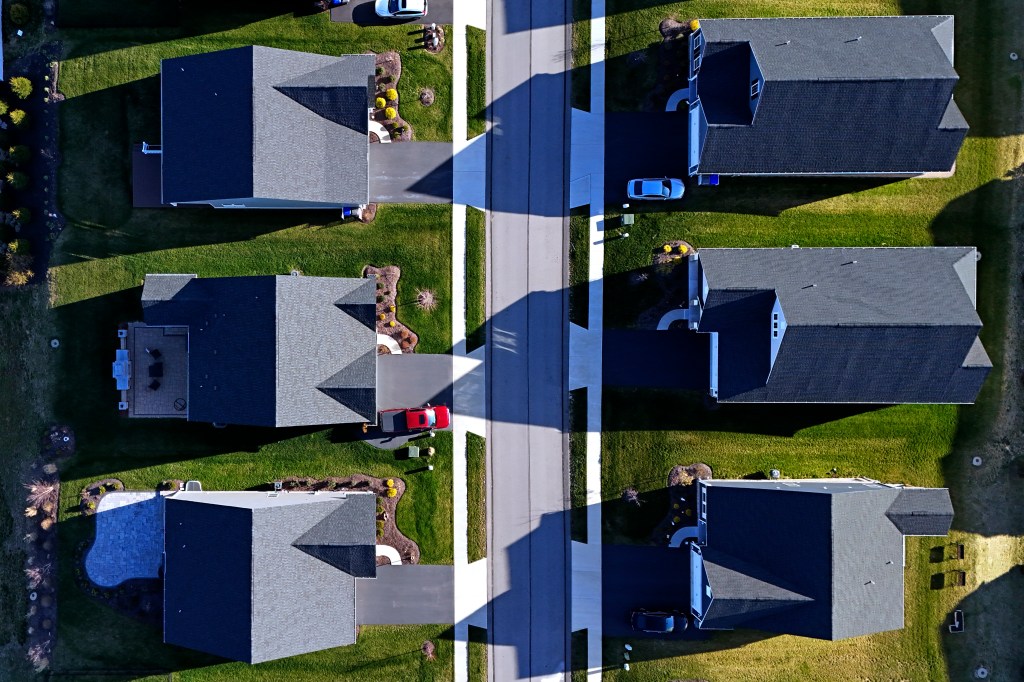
(129,538)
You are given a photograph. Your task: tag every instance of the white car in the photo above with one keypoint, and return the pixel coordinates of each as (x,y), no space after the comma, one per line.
(401,9)
(655,188)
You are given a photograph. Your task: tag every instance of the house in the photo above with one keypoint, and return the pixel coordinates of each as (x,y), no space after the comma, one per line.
(839,325)
(262,351)
(256,576)
(816,558)
(259,127)
(823,96)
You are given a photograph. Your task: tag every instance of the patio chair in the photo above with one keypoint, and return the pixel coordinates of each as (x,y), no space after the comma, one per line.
(156,369)
(154,384)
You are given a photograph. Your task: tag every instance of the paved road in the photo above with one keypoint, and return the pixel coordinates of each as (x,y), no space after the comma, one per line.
(407,595)
(411,173)
(527,343)
(361,12)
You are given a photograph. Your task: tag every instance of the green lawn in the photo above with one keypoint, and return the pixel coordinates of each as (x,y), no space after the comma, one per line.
(581,54)
(578,464)
(476,279)
(579,266)
(476,476)
(116,69)
(646,433)
(477,654)
(476,77)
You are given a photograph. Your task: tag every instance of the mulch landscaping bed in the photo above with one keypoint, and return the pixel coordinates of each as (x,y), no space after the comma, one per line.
(389,70)
(670,271)
(138,598)
(682,500)
(41,539)
(388,323)
(91,494)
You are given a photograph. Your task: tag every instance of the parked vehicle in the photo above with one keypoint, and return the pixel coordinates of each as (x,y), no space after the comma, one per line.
(657,189)
(401,9)
(657,622)
(416,419)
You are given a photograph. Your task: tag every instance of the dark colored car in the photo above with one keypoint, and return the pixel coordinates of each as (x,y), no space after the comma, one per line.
(657,622)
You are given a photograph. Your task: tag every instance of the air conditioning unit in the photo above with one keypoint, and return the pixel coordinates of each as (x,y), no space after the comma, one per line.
(694,303)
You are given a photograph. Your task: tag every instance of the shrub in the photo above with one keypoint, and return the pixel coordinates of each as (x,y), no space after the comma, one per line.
(21,86)
(17,180)
(390,483)
(20,14)
(391,323)
(3,107)
(667,248)
(18,117)
(380,529)
(20,246)
(19,153)
(390,113)
(391,94)
(392,492)
(379,70)
(379,103)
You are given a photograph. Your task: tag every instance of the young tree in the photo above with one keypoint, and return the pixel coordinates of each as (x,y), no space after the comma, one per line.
(20,86)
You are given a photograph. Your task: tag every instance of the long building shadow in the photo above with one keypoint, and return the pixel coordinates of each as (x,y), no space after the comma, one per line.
(150,21)
(989,617)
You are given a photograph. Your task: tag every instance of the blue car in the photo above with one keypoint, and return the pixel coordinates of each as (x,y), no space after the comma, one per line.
(657,622)
(657,189)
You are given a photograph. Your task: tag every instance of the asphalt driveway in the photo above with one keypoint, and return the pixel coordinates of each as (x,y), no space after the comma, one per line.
(670,358)
(411,173)
(641,576)
(361,13)
(643,145)
(412,380)
(410,594)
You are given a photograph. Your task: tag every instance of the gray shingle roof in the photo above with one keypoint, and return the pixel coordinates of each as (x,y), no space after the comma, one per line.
(743,591)
(833,542)
(867,325)
(236,555)
(827,48)
(831,103)
(273,351)
(259,122)
(922,511)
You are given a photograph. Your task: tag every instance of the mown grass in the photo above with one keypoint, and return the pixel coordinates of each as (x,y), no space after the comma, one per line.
(578,464)
(26,381)
(648,432)
(476,279)
(579,266)
(477,654)
(118,60)
(476,77)
(476,477)
(581,54)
